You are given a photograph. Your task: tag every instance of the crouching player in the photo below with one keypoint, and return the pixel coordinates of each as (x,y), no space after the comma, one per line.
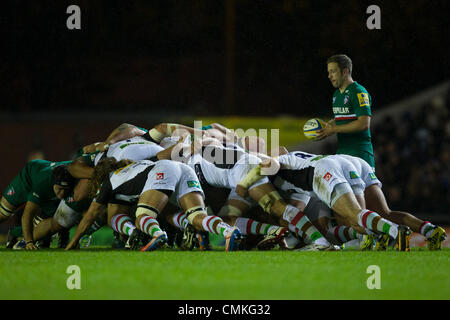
(40,186)
(120,184)
(326,177)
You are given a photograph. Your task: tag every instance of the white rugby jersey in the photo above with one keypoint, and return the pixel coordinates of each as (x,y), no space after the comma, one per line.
(297,167)
(213,165)
(137,148)
(125,184)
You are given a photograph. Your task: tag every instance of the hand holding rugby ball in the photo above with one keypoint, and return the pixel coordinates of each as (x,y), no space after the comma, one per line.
(311,127)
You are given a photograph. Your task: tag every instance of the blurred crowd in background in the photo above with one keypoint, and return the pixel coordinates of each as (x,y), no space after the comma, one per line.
(413,159)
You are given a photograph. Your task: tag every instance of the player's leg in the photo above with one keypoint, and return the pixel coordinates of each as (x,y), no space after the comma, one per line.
(151,203)
(270,200)
(194,207)
(376,200)
(119,219)
(273,234)
(63,219)
(346,205)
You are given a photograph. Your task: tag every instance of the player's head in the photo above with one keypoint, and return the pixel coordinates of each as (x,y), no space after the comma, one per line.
(63,181)
(102,170)
(339,69)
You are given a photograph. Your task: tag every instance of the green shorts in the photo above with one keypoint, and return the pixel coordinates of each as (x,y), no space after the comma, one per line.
(16,193)
(365,155)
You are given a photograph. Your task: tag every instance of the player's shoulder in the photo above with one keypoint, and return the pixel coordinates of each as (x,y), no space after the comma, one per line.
(357,88)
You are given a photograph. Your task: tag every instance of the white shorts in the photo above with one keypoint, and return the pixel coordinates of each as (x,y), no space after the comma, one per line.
(66,216)
(328,173)
(288,191)
(366,171)
(242,167)
(248,200)
(173,176)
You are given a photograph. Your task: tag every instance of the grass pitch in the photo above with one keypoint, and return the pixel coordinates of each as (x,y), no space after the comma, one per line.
(254,275)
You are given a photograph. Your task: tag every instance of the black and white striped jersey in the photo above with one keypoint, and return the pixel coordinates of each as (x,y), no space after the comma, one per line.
(297,168)
(125,184)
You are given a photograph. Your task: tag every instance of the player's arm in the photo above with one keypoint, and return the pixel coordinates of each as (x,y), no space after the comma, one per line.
(95,209)
(31,210)
(80,169)
(162,130)
(268,167)
(360,124)
(123,132)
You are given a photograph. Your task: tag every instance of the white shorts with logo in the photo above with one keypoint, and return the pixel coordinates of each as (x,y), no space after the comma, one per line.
(174,176)
(365,170)
(329,172)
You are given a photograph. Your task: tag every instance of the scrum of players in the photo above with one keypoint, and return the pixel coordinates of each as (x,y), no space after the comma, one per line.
(174,185)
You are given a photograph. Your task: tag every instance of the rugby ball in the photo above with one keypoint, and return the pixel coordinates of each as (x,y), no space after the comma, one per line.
(311,127)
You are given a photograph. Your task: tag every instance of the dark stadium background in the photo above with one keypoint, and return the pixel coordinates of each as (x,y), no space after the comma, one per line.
(146,62)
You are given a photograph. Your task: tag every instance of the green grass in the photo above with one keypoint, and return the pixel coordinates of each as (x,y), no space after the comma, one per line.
(173,275)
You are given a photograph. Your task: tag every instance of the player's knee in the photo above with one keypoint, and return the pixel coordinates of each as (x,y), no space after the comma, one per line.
(194,212)
(144,210)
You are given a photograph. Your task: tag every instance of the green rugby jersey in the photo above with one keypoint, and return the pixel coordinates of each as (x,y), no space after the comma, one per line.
(355,101)
(34,183)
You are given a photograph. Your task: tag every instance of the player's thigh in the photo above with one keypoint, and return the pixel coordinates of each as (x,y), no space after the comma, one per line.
(188,187)
(376,201)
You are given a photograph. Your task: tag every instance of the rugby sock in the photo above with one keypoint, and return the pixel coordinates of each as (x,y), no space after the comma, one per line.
(427,228)
(215,225)
(343,234)
(122,224)
(150,226)
(372,221)
(301,223)
(180,220)
(249,226)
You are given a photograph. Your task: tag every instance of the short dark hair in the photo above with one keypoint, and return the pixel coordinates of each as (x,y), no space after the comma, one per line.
(342,60)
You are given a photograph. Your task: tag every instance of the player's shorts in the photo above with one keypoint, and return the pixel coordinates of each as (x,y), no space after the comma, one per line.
(242,167)
(173,176)
(366,171)
(290,192)
(366,155)
(17,194)
(329,172)
(65,216)
(316,209)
